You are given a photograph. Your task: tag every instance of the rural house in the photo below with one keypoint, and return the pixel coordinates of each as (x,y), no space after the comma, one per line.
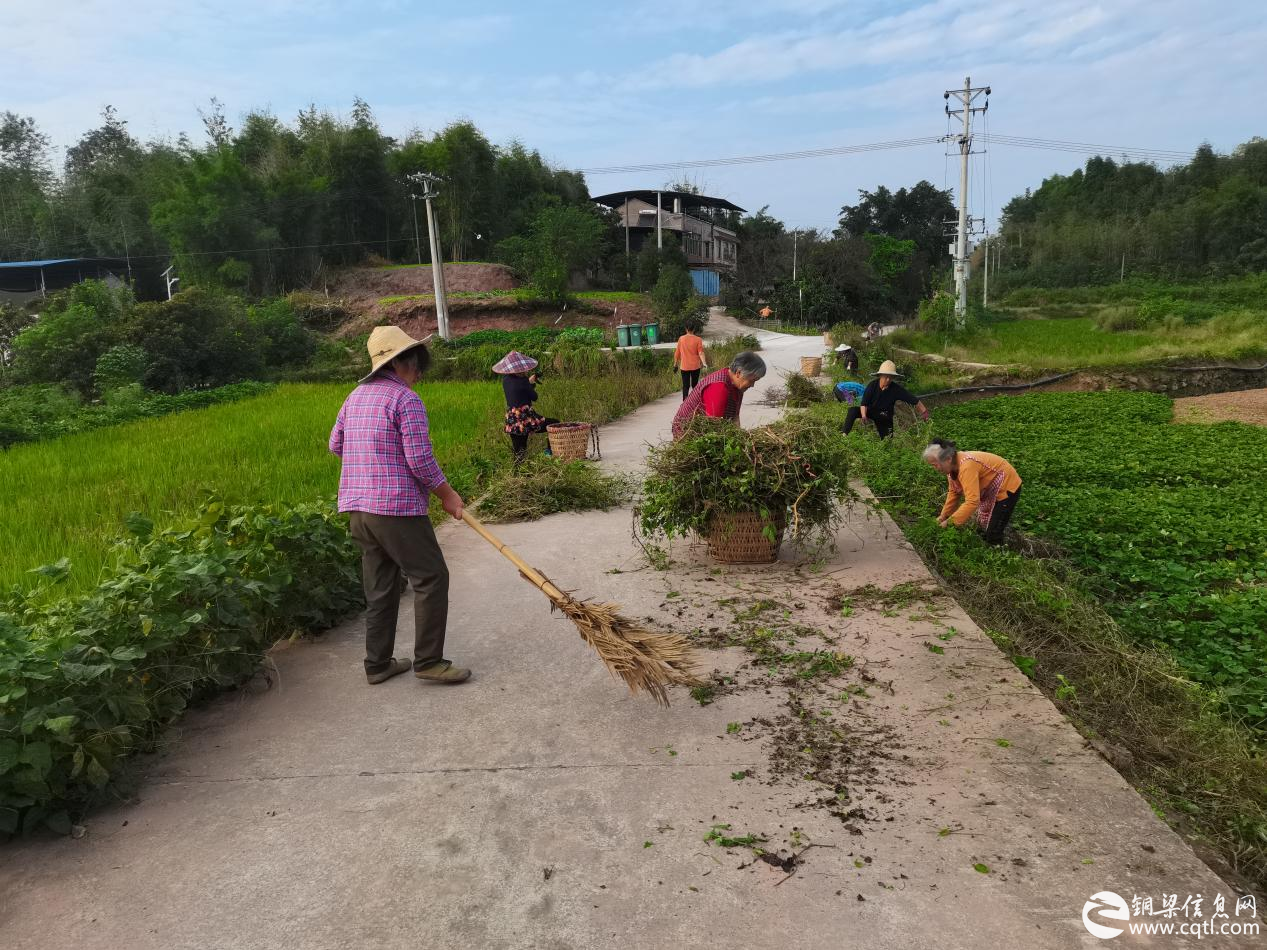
(711,249)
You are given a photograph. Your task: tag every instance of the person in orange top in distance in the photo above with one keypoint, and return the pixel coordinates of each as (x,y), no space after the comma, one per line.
(690,357)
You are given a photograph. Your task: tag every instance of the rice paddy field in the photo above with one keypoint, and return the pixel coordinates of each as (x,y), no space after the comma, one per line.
(68,497)
(1060,343)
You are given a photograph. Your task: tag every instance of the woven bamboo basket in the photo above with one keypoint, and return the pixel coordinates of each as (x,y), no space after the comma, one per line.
(569,440)
(811,366)
(738,538)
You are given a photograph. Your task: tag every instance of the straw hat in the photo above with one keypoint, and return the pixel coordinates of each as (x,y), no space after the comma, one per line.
(514,362)
(887,368)
(385,344)
(843,347)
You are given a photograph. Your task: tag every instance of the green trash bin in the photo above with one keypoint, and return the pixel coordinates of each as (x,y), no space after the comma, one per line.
(622,335)
(651,333)
(635,334)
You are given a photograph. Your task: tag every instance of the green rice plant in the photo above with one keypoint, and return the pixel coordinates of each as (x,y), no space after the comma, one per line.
(68,497)
(45,411)
(1078,342)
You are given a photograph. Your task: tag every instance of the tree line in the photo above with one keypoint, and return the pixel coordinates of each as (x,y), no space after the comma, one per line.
(884,256)
(1205,218)
(267,206)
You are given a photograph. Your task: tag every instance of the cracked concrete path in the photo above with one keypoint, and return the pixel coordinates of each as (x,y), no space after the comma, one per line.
(539,805)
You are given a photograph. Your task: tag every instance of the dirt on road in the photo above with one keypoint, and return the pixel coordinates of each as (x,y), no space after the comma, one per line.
(1248,405)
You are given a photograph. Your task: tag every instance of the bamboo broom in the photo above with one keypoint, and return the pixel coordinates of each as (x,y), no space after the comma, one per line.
(644,659)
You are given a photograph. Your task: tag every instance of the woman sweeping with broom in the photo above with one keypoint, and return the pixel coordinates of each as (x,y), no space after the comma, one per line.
(519,383)
(389,471)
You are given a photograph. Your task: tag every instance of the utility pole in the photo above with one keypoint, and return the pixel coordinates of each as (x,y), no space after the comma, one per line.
(127,254)
(659,241)
(965,97)
(628,266)
(171,280)
(428,183)
(800,300)
(417,238)
(985,286)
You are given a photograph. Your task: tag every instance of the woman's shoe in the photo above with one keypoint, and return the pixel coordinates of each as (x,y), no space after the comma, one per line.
(443,671)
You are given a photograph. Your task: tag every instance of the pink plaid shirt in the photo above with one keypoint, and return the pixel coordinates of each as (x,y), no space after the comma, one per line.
(381,436)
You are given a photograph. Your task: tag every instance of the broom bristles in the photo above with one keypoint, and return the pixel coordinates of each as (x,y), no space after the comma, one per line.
(647,660)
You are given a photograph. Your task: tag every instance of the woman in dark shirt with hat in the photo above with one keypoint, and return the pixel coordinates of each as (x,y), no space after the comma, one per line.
(879,400)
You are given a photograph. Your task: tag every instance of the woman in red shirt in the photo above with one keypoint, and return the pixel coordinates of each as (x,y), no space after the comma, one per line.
(719,395)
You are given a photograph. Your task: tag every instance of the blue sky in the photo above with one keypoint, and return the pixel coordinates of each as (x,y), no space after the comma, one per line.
(594,84)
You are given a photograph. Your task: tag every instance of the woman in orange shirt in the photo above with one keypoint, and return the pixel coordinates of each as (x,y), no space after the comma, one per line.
(689,357)
(979,483)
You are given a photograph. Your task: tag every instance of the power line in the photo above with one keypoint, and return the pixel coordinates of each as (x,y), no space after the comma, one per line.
(759,159)
(1086,148)
(1159,155)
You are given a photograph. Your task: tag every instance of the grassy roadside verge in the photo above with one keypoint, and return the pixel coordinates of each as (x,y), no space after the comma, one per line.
(1205,774)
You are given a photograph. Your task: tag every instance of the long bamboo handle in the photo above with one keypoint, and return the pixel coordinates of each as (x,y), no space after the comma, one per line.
(529,572)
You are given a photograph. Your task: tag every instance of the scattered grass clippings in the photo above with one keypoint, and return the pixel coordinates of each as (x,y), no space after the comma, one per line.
(717,835)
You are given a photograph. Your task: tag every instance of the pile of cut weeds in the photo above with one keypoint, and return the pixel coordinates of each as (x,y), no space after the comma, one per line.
(544,486)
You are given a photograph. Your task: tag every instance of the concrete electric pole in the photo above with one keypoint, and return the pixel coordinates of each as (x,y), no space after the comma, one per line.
(800,296)
(985,287)
(427,184)
(965,97)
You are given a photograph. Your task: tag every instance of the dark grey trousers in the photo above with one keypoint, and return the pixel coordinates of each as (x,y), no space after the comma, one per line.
(392,546)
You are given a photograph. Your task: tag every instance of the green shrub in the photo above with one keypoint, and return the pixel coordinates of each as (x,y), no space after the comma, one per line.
(1156,309)
(87,681)
(12,434)
(47,411)
(75,329)
(284,339)
(583,336)
(694,313)
(1119,318)
(849,333)
(938,313)
(672,294)
(533,338)
(121,365)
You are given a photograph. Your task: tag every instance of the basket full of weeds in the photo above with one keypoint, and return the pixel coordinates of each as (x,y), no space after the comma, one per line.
(747,490)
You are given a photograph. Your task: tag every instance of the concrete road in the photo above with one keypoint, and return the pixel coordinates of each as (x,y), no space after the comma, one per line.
(541,806)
